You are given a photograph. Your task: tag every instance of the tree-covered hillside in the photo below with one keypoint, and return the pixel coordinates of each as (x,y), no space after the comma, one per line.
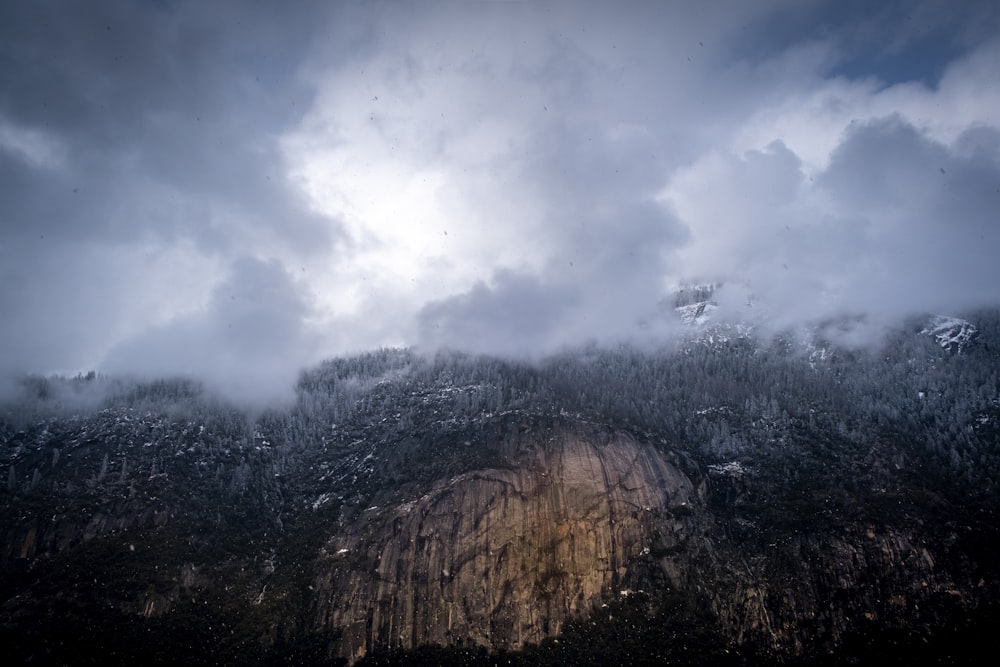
(162,509)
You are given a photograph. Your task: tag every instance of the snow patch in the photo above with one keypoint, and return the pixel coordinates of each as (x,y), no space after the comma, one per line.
(322,500)
(952,333)
(730,469)
(696,314)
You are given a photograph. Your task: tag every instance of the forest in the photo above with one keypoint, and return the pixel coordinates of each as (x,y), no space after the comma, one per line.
(903,432)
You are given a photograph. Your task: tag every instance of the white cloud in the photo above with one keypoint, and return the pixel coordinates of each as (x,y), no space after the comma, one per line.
(895,223)
(505,176)
(812,120)
(249,341)
(37,147)
(469,168)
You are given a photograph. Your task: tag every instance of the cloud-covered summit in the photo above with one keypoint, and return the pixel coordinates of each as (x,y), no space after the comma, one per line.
(895,223)
(504,177)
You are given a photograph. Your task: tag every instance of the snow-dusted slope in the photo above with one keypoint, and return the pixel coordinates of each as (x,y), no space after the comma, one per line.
(696,314)
(951,333)
(711,323)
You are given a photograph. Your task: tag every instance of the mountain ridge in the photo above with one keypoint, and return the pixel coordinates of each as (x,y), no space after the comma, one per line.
(810,504)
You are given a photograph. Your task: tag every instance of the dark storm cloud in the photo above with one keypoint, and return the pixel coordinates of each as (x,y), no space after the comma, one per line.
(927,213)
(515,315)
(895,41)
(129,128)
(162,115)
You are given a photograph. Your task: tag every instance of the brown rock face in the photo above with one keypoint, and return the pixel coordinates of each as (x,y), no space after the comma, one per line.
(501,557)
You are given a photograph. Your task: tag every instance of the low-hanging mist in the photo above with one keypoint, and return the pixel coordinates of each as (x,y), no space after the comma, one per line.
(187,187)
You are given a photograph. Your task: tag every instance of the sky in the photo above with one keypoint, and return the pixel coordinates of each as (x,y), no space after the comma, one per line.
(236,190)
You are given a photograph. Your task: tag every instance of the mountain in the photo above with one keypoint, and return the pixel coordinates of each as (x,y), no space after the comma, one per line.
(696,308)
(696,504)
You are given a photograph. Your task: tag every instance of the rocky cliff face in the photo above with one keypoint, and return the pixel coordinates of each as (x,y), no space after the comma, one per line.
(581,516)
(504,556)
